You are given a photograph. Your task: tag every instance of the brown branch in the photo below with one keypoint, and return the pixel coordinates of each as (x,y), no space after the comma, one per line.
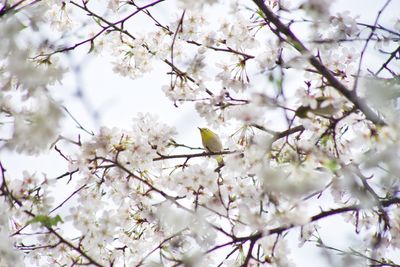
(138,9)
(249,252)
(288,132)
(152,187)
(69,197)
(113,25)
(279,135)
(121,30)
(109,25)
(359,103)
(324,214)
(227,49)
(178,28)
(69,48)
(8,194)
(66,174)
(76,248)
(182,73)
(379,27)
(366,44)
(196,155)
(332,40)
(5,9)
(158,247)
(392,56)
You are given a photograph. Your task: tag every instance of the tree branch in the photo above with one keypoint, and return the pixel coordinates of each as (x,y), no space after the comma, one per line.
(322,69)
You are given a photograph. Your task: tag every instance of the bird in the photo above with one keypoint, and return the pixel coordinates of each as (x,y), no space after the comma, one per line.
(212,143)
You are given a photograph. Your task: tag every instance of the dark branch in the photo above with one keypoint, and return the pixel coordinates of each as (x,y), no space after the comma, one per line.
(359,103)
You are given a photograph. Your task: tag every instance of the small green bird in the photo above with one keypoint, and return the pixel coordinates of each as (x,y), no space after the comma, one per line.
(212,143)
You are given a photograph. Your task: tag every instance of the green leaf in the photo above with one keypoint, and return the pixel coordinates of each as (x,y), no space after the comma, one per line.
(325,139)
(46,220)
(332,165)
(91,49)
(298,46)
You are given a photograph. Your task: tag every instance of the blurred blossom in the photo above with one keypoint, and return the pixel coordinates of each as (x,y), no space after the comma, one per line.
(36,119)
(382,94)
(247,114)
(397,25)
(193,4)
(8,255)
(318,9)
(114,5)
(266,60)
(36,128)
(297,215)
(292,182)
(394,230)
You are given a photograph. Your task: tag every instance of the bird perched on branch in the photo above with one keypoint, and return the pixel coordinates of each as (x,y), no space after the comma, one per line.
(212,143)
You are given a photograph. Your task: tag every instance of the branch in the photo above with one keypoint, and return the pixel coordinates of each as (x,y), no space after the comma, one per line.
(158,247)
(125,32)
(69,197)
(322,69)
(152,187)
(196,155)
(392,56)
(323,214)
(5,9)
(8,194)
(366,44)
(249,252)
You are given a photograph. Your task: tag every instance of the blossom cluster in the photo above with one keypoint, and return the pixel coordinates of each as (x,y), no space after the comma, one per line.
(29,114)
